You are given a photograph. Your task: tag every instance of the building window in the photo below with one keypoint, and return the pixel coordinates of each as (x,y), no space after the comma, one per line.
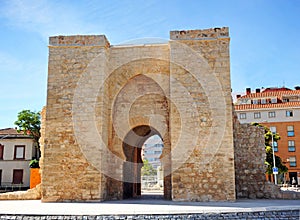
(273,129)
(291,145)
(243,116)
(263,101)
(274,100)
(1,151)
(19,152)
(256,114)
(17,176)
(275,146)
(292,161)
(255,101)
(290,131)
(289,114)
(272,114)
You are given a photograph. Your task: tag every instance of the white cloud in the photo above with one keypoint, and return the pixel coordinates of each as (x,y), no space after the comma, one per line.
(44,17)
(114,18)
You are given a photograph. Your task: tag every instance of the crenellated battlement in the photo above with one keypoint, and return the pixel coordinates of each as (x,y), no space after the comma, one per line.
(212,33)
(79,40)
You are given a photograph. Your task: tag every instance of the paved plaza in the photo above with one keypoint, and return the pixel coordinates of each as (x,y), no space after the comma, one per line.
(143,206)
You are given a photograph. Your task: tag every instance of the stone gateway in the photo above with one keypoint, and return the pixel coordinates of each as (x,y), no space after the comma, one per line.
(105,100)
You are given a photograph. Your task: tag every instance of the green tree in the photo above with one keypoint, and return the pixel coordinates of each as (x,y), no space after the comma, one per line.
(148,169)
(29,123)
(269,152)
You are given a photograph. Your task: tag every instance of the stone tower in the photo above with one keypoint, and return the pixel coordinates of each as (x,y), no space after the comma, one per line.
(105,100)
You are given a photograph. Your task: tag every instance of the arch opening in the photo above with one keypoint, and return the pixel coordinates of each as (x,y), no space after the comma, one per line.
(132,167)
(152,171)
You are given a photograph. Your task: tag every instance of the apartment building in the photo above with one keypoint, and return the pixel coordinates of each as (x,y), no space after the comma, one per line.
(152,150)
(278,109)
(16,151)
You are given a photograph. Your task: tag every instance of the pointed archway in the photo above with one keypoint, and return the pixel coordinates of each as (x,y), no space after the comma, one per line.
(152,172)
(132,147)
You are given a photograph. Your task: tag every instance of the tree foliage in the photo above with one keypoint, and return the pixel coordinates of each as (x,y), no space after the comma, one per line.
(34,164)
(29,123)
(148,169)
(269,152)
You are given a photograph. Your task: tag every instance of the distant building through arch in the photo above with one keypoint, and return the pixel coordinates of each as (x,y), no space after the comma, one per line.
(152,150)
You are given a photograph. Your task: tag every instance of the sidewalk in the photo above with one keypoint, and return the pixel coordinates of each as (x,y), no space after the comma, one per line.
(145,206)
(290,188)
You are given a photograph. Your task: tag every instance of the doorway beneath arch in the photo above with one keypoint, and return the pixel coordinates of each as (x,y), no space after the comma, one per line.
(152,170)
(132,167)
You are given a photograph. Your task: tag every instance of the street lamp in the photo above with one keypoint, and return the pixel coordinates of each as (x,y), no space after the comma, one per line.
(275,169)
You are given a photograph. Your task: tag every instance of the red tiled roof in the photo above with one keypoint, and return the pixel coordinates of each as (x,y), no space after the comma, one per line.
(11,133)
(272,89)
(8,131)
(272,93)
(266,106)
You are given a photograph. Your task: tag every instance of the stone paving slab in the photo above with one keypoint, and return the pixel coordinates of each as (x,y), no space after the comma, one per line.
(151,206)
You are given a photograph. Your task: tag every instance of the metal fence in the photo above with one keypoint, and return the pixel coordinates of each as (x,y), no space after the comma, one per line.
(8,187)
(151,182)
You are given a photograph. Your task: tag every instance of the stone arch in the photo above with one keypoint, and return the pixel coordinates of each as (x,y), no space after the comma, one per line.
(148,109)
(155,70)
(132,147)
(189,79)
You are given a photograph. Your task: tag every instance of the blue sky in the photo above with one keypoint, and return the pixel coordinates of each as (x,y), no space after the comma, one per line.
(265,38)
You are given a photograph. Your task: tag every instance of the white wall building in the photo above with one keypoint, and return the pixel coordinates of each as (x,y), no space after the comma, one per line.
(152,150)
(16,151)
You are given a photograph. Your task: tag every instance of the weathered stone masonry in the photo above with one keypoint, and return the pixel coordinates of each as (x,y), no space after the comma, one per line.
(104,101)
(249,154)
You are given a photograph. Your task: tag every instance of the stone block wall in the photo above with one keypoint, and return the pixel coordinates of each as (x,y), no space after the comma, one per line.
(249,150)
(200,64)
(104,101)
(249,159)
(67,175)
(96,98)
